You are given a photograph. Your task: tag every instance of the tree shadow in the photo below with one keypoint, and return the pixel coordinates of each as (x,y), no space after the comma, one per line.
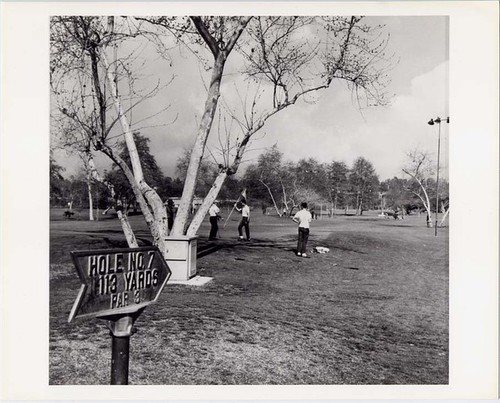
(205,249)
(345,249)
(208,249)
(287,244)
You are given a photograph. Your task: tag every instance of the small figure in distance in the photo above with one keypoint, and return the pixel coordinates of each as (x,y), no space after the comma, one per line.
(242,207)
(215,216)
(303,218)
(170,214)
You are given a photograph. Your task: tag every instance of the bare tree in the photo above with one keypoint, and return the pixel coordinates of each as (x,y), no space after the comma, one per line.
(267,171)
(85,87)
(287,59)
(289,65)
(419,169)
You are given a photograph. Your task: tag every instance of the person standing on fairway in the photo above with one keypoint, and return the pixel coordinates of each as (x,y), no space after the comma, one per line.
(214,211)
(303,218)
(170,214)
(245,218)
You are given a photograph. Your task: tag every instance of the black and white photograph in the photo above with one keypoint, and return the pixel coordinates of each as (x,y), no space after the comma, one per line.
(258,198)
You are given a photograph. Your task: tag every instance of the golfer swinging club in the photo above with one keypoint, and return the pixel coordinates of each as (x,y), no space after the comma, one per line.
(303,218)
(245,219)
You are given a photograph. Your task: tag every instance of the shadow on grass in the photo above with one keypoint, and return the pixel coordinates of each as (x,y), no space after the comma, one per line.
(287,244)
(212,247)
(343,248)
(205,250)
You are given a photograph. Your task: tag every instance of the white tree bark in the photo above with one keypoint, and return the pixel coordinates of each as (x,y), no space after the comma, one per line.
(272,197)
(426,202)
(220,56)
(153,224)
(91,207)
(285,198)
(205,206)
(126,228)
(198,149)
(444,218)
(158,209)
(445,209)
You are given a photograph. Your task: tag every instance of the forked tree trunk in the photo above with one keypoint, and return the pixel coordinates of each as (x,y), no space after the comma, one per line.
(154,201)
(272,197)
(205,206)
(426,202)
(220,55)
(182,216)
(153,224)
(445,215)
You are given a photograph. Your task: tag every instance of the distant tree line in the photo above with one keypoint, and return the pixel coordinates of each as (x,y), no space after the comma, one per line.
(75,188)
(285,184)
(271,183)
(337,188)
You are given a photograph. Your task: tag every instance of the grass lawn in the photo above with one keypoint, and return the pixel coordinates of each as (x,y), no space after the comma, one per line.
(374,310)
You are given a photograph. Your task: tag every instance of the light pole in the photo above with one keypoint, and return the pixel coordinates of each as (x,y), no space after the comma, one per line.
(431,122)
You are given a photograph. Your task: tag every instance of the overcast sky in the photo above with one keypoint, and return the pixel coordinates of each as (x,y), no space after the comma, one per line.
(333,127)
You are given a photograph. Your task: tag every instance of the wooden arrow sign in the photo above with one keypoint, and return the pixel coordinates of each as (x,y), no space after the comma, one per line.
(118,281)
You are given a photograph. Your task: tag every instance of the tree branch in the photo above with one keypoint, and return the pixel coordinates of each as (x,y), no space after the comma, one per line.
(206,36)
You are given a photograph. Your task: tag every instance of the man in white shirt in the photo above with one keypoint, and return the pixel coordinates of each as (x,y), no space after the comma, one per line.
(214,213)
(245,219)
(303,218)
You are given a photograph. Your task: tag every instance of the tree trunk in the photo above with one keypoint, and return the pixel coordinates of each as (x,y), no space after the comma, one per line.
(272,197)
(220,57)
(127,132)
(157,227)
(91,207)
(155,203)
(285,198)
(443,219)
(205,206)
(126,228)
(358,205)
(426,202)
(428,219)
(199,147)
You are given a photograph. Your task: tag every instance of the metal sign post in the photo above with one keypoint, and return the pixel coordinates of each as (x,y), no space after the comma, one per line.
(117,285)
(119,360)
(120,327)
